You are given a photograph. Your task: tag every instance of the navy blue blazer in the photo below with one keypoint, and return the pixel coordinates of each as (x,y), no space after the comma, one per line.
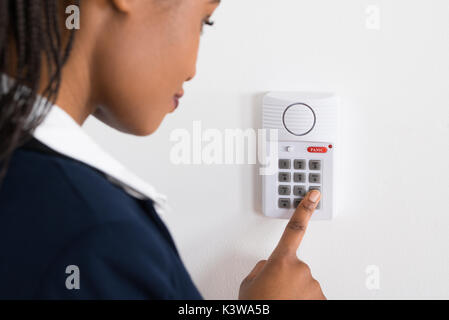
(57,212)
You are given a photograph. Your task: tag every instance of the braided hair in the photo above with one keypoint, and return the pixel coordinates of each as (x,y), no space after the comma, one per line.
(30,30)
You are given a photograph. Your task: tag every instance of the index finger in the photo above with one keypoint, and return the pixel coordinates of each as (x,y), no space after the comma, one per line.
(296,228)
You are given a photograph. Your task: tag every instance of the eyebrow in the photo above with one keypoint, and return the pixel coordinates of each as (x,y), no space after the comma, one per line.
(214,1)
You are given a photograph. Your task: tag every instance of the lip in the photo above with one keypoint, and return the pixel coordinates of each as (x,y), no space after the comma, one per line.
(175,102)
(176,99)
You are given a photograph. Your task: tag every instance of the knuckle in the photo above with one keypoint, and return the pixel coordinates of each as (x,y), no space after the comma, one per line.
(261,263)
(296,225)
(317,288)
(282,262)
(305,269)
(307,206)
(246,280)
(279,253)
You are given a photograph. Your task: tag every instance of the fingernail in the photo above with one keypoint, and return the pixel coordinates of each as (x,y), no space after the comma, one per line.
(314,195)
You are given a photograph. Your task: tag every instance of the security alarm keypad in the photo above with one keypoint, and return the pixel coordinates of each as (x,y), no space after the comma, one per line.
(307,140)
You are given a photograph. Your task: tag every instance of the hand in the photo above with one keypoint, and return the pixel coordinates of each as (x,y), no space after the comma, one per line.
(283,275)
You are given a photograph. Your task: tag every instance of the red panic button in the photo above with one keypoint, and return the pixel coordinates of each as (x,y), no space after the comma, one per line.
(317,149)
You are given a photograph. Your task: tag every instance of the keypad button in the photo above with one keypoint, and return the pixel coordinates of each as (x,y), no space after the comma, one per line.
(284,203)
(284,190)
(299,191)
(296,202)
(299,177)
(314,178)
(284,163)
(284,177)
(299,164)
(315,164)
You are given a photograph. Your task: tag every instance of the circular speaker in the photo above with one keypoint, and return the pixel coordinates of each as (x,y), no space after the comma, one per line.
(299,119)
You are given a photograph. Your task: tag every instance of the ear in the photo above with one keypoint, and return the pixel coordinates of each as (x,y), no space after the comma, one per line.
(123,6)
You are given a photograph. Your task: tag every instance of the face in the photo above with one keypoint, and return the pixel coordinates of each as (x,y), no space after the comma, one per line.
(146,51)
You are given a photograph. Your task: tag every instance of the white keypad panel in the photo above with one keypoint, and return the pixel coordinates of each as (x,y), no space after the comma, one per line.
(300,168)
(307,145)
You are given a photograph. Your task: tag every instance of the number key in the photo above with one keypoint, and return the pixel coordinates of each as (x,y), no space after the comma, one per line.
(284,163)
(284,190)
(315,178)
(299,164)
(299,177)
(299,191)
(315,165)
(284,203)
(284,176)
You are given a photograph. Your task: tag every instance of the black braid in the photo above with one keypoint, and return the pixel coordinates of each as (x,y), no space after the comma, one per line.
(20,35)
(29,31)
(4,23)
(54,40)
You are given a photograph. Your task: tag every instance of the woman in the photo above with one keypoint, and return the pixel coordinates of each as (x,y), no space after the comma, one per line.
(74,223)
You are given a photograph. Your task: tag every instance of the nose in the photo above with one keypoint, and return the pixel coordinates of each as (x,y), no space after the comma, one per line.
(192,73)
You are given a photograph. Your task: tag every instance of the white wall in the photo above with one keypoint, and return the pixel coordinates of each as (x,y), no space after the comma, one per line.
(394,191)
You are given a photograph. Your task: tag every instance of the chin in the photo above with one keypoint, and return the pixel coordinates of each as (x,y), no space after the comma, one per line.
(137,128)
(142,132)
(144,129)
